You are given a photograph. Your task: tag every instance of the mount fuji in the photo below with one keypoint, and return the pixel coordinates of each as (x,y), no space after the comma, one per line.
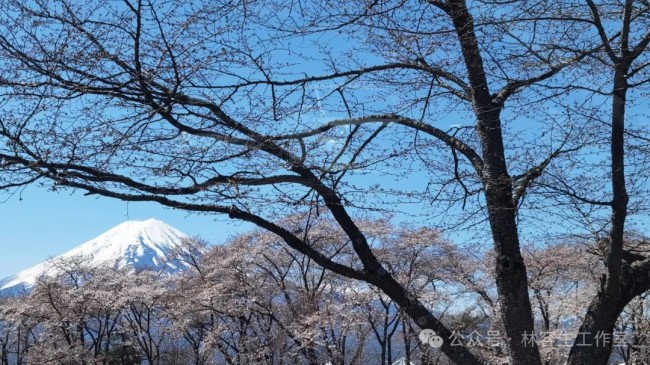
(132,244)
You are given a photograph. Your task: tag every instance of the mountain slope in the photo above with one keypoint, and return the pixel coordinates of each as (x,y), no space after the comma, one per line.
(135,244)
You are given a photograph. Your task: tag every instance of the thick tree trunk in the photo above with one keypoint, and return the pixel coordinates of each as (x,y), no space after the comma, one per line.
(608,304)
(511,277)
(594,344)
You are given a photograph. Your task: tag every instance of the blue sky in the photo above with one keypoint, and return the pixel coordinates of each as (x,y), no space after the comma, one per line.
(39,223)
(43,224)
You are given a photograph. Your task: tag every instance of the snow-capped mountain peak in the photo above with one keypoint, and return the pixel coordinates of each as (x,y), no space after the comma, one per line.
(136,244)
(142,242)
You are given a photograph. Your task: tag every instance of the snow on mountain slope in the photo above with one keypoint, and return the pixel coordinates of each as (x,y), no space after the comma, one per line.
(136,244)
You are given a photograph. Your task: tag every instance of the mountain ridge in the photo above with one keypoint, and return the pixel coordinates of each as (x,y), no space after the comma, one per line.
(131,244)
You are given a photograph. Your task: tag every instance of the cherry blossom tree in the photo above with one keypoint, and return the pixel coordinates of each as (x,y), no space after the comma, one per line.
(512,121)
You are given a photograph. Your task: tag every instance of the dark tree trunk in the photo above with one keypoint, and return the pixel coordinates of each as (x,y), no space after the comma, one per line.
(613,294)
(511,277)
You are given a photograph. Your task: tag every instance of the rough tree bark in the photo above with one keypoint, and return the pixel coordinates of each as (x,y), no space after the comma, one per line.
(621,283)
